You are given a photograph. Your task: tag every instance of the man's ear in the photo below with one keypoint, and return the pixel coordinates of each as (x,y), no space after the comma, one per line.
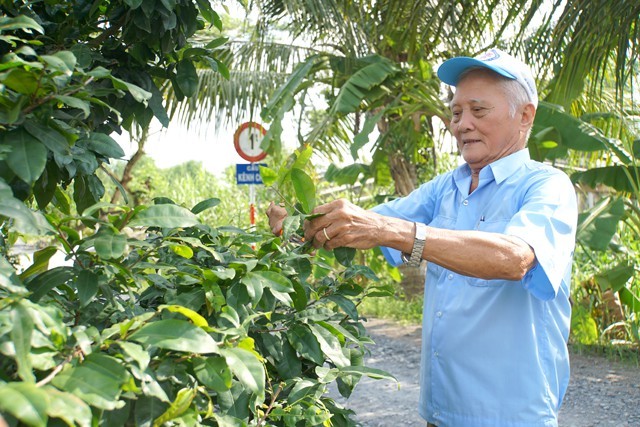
(528,114)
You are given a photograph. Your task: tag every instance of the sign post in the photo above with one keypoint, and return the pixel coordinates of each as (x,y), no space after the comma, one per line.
(247,140)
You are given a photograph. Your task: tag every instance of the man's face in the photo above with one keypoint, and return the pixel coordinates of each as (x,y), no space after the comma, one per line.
(481,121)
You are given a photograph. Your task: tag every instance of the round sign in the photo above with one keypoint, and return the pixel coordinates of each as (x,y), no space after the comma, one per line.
(247,140)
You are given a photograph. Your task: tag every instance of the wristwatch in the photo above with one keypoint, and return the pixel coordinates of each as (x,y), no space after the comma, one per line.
(418,246)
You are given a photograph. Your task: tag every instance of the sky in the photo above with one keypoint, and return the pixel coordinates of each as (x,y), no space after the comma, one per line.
(178,144)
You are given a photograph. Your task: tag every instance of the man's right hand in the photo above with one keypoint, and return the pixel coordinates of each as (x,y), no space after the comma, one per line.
(276,215)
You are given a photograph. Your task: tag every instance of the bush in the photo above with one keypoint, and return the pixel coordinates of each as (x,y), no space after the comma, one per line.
(159,318)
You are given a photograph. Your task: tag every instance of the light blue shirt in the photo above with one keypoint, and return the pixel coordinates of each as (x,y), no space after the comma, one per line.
(494,351)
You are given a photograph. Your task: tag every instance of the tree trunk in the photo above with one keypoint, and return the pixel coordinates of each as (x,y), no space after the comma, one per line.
(128,168)
(413,280)
(404,174)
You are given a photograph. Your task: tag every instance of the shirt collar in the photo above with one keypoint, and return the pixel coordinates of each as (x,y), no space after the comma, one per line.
(501,169)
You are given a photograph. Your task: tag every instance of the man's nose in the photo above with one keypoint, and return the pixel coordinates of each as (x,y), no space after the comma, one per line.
(465,122)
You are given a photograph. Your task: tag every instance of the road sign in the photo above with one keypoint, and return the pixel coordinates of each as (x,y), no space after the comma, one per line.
(248,173)
(247,140)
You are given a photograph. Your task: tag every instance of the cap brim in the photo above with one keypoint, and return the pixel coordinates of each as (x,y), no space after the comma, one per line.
(450,70)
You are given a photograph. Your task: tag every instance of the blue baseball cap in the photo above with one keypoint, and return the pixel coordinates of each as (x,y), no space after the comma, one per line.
(493,59)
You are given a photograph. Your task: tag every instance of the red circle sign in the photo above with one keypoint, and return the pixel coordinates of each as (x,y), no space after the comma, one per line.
(247,140)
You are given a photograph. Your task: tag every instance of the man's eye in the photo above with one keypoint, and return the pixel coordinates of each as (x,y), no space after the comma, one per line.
(480,111)
(455,116)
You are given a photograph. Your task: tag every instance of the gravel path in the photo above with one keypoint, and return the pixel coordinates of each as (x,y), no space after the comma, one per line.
(603,392)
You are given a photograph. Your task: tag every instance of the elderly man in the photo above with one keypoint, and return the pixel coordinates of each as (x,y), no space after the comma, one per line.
(498,234)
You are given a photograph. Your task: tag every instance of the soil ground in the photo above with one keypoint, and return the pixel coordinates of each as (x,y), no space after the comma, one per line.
(603,391)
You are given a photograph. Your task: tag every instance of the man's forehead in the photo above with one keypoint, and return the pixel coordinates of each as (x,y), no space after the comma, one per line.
(471,101)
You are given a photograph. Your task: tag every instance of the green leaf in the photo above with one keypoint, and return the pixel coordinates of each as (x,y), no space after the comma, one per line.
(20,22)
(196,318)
(217,42)
(50,137)
(615,278)
(167,216)
(302,156)
(28,156)
(283,97)
(360,85)
(376,374)
(620,178)
(180,404)
(347,175)
(40,262)
(139,94)
(26,220)
(305,343)
(344,255)
(246,367)
(110,245)
(345,304)
(174,334)
(25,401)
(98,381)
(187,78)
(598,225)
(21,81)
(630,300)
(270,279)
(41,284)
(103,144)
(574,133)
(330,345)
(362,138)
(268,175)
(137,353)
(78,103)
(182,250)
(205,204)
(87,286)
(133,4)
(62,61)
(21,337)
(9,280)
(304,188)
(213,372)
(68,408)
(583,326)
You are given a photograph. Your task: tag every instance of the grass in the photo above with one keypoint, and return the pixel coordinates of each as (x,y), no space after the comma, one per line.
(627,354)
(395,308)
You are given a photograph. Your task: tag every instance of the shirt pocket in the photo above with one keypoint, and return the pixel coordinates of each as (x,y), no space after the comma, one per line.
(491,225)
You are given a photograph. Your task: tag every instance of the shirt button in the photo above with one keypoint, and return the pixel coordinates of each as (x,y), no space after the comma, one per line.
(436,414)
(466,202)
(450,277)
(439,314)
(435,354)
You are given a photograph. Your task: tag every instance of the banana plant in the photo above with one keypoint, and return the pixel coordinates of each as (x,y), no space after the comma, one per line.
(560,137)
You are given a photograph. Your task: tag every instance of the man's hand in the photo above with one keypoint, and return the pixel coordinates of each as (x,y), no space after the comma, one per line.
(344,224)
(276,215)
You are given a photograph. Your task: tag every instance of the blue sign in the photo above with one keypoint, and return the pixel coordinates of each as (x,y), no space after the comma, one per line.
(248,173)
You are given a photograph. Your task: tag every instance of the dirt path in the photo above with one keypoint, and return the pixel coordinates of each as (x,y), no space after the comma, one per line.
(602,392)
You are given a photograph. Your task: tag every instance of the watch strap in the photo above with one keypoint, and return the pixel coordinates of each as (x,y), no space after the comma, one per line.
(418,246)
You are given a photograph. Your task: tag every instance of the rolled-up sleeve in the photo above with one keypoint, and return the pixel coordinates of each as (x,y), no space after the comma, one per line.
(547,222)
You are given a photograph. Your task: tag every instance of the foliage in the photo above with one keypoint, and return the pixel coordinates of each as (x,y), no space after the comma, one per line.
(75,72)
(190,183)
(154,317)
(159,318)
(607,263)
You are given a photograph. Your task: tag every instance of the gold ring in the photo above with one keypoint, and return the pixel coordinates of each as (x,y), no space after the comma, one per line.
(324,230)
